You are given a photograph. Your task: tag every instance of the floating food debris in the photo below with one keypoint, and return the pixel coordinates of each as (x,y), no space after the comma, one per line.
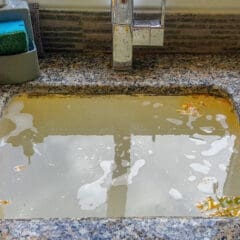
(221,207)
(19,168)
(4,202)
(192,109)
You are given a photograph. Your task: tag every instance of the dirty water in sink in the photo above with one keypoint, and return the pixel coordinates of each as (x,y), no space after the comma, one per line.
(114,156)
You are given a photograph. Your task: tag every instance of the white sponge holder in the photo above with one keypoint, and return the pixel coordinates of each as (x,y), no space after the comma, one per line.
(3,3)
(20,67)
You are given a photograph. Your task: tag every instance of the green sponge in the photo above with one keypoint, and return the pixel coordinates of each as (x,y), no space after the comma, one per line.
(13,38)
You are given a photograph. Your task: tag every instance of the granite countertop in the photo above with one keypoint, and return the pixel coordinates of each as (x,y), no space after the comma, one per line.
(152,74)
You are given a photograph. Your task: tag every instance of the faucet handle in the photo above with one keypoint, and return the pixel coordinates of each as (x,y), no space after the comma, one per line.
(150,32)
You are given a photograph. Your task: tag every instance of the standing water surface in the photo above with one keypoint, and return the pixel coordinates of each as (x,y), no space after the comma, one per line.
(116,155)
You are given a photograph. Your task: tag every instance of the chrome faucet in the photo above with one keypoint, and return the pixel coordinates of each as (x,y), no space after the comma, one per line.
(128,32)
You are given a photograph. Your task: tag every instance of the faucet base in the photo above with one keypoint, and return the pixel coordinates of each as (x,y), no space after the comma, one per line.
(122,66)
(122,46)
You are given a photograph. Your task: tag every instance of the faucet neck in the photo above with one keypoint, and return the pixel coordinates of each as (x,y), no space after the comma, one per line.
(122,12)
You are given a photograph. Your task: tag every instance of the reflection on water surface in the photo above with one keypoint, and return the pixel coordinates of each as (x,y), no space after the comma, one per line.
(113,156)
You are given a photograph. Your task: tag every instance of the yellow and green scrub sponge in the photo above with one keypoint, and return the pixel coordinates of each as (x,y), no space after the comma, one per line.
(13,38)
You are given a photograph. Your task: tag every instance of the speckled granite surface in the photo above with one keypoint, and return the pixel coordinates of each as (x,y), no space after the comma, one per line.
(157,74)
(154,228)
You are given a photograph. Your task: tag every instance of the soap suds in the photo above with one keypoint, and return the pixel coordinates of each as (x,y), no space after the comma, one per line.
(208,185)
(157,105)
(222,120)
(201,168)
(219,145)
(2,143)
(197,139)
(207,129)
(127,179)
(192,178)
(175,121)
(190,157)
(22,121)
(175,194)
(93,195)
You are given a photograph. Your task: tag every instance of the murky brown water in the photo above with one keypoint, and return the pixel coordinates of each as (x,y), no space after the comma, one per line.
(114,156)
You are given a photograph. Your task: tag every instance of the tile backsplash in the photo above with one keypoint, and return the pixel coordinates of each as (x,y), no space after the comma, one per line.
(185,33)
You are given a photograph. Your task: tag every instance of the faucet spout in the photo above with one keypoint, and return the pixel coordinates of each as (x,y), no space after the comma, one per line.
(128,33)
